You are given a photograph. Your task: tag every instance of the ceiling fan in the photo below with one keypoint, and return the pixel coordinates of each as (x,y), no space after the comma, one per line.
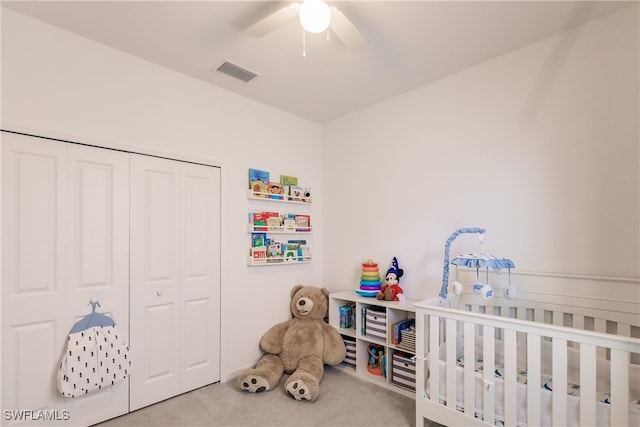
(315,16)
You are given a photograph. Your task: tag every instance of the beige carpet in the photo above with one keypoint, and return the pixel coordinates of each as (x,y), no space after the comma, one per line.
(344,400)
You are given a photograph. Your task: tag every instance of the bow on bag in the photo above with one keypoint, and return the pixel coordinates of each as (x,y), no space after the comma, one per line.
(96,356)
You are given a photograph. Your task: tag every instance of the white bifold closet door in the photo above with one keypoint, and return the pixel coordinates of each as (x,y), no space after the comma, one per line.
(65,240)
(175,278)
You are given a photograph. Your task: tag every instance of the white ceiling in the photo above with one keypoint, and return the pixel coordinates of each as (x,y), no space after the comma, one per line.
(411,43)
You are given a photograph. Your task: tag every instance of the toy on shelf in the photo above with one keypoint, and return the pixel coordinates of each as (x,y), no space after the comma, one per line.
(376,360)
(369,279)
(391,290)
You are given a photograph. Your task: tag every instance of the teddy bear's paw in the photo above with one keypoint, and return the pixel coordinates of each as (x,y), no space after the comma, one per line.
(254,384)
(299,390)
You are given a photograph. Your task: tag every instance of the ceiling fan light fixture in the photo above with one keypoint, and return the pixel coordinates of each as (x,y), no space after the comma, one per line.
(315,16)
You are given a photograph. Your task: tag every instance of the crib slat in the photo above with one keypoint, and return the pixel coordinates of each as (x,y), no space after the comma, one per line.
(600,325)
(434,371)
(533,379)
(538,315)
(587,384)
(559,370)
(469,359)
(510,390)
(488,356)
(521,313)
(451,325)
(558,318)
(619,388)
(624,329)
(578,321)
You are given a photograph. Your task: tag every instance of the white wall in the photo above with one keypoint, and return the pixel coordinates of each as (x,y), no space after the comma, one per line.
(538,146)
(59,85)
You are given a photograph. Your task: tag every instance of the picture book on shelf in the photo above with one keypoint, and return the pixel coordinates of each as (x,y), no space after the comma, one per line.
(259,254)
(303,222)
(274,223)
(296,193)
(258,182)
(258,239)
(288,180)
(275,190)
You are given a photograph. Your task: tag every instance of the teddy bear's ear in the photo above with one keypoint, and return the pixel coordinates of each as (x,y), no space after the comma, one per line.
(295,289)
(325,291)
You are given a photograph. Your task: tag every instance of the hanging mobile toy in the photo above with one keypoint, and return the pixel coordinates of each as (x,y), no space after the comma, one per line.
(477,261)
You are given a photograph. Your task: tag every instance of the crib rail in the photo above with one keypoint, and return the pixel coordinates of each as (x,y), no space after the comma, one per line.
(533,328)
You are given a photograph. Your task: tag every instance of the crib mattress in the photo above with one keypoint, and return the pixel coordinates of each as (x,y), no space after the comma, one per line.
(573,389)
(546,381)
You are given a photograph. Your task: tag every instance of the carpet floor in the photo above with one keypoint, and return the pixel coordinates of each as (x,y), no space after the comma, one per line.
(344,400)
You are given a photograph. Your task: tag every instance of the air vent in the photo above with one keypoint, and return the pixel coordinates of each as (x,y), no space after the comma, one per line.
(236,71)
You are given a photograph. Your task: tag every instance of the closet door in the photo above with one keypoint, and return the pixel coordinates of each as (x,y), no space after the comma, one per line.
(34,325)
(175,279)
(200,277)
(65,241)
(98,258)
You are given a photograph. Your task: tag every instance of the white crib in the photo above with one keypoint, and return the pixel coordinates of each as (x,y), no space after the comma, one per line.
(548,358)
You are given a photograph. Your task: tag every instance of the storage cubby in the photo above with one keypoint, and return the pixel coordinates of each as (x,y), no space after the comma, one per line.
(387,315)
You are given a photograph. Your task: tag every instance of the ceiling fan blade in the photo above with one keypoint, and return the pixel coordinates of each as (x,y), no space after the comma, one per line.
(272,21)
(346,31)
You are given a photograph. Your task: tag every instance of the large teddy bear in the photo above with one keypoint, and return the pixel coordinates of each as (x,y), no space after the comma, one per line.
(300,347)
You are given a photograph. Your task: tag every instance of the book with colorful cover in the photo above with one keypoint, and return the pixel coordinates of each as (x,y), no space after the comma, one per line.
(259,221)
(288,180)
(259,254)
(399,327)
(258,239)
(275,190)
(290,252)
(303,222)
(258,182)
(296,193)
(274,223)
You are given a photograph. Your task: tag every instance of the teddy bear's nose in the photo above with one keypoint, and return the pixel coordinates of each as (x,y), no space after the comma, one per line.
(304,305)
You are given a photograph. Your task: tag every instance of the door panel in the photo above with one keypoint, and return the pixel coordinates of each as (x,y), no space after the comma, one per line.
(33,272)
(65,241)
(200,292)
(98,258)
(155,285)
(175,278)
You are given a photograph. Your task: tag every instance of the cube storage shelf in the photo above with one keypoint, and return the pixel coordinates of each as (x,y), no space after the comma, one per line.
(372,324)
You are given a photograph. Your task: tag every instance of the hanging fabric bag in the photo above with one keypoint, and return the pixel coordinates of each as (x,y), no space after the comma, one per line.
(96,356)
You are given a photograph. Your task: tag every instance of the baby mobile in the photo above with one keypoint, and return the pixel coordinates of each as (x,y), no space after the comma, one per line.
(478,261)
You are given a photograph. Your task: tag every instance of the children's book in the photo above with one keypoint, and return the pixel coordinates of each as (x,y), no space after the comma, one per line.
(288,180)
(296,193)
(275,190)
(258,182)
(258,239)
(289,224)
(259,254)
(303,222)
(399,327)
(274,223)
